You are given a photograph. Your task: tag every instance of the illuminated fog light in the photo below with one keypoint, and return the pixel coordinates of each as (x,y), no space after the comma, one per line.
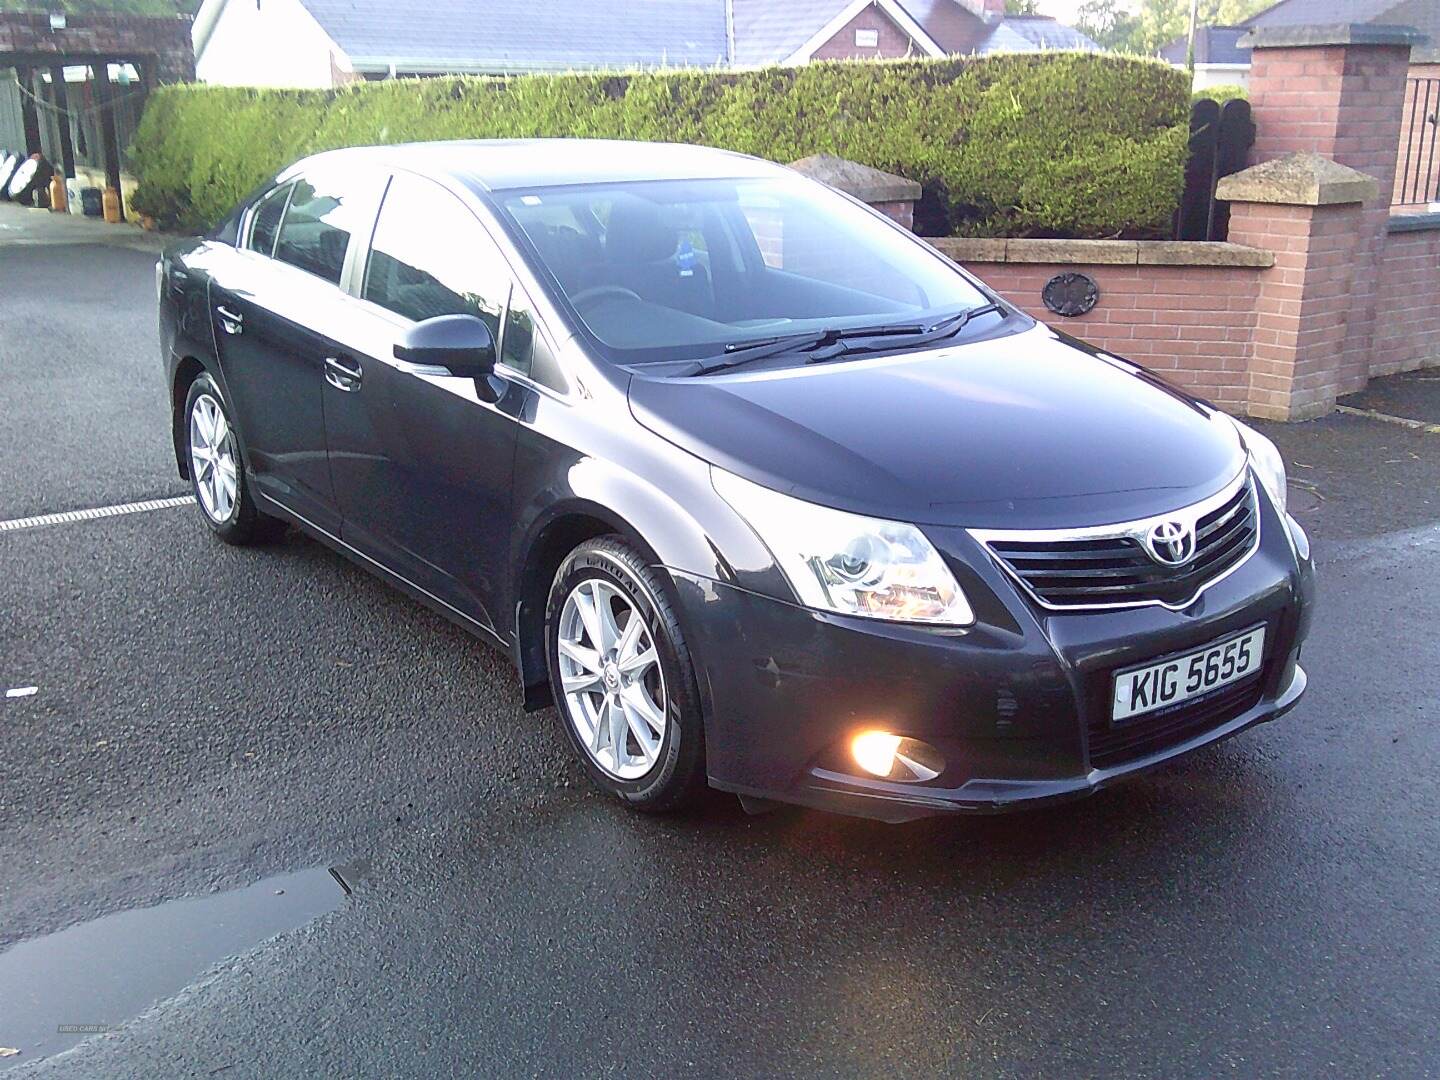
(894,757)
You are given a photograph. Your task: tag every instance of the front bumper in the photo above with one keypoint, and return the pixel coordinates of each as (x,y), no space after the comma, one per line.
(1017,704)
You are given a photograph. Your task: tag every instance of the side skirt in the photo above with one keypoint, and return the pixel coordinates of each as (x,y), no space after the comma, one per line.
(390,577)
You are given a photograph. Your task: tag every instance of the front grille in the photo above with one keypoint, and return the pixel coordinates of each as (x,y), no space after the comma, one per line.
(1145,735)
(1110,567)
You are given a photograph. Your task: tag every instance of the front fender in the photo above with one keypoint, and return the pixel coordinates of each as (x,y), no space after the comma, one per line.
(653,493)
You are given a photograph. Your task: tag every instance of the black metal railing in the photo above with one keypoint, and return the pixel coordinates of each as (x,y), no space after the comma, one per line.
(1417,179)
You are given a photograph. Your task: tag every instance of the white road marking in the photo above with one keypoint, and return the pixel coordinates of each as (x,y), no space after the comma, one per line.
(22,691)
(68,516)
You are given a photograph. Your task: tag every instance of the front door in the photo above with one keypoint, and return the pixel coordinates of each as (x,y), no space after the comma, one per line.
(421,466)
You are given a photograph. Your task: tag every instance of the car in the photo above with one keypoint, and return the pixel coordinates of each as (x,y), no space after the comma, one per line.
(757,489)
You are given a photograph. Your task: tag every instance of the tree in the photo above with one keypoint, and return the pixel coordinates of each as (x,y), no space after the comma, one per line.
(1022,7)
(1144,26)
(104,7)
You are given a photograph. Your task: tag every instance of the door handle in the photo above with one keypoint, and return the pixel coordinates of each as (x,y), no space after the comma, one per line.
(230,322)
(343,374)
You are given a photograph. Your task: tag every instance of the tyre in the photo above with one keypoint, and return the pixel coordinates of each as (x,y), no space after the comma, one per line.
(217,475)
(8,165)
(622,677)
(31,175)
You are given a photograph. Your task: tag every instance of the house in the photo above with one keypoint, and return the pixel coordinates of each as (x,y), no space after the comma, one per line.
(798,31)
(324,43)
(1220,59)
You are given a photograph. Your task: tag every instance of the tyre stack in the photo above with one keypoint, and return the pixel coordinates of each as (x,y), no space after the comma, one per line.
(26,179)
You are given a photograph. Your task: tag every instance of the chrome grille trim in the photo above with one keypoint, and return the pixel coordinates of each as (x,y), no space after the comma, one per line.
(1087,550)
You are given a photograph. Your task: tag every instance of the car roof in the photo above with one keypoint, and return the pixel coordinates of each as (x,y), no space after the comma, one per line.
(494,164)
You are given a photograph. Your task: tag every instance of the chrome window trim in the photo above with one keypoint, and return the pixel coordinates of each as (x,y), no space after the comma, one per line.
(1136,530)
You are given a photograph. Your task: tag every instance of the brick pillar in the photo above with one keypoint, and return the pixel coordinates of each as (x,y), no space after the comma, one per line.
(894,196)
(1309,211)
(1337,91)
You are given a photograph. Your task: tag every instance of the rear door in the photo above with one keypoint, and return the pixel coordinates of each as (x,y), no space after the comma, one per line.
(422,467)
(273,307)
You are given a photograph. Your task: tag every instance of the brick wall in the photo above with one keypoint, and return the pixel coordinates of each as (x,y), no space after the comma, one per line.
(161,45)
(1343,102)
(1407,332)
(894,42)
(1181,311)
(1304,306)
(901,211)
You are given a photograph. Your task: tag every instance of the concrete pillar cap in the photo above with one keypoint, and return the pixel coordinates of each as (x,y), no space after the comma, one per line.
(1301,37)
(1298,180)
(863,182)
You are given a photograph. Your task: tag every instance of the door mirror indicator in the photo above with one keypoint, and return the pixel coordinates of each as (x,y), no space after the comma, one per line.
(462,344)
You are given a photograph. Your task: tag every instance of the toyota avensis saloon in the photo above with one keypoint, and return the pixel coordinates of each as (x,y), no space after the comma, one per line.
(757,489)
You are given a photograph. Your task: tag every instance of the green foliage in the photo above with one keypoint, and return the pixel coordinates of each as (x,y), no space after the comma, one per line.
(1222,94)
(1059,144)
(1144,28)
(157,8)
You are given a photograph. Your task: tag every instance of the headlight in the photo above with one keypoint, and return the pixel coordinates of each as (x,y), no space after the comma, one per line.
(847,563)
(1269,465)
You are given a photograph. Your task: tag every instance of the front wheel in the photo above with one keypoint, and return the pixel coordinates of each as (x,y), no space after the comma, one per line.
(216,472)
(622,677)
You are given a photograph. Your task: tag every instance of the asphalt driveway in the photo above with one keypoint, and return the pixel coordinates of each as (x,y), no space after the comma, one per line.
(205,718)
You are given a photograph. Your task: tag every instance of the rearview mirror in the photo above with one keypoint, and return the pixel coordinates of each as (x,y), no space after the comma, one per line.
(462,344)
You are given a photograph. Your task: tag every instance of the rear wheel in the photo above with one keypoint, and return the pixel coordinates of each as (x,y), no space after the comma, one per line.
(622,677)
(221,490)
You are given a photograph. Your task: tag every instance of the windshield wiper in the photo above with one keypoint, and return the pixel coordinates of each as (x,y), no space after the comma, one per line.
(947,327)
(834,338)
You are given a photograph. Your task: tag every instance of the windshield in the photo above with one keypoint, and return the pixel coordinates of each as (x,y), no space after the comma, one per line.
(678,269)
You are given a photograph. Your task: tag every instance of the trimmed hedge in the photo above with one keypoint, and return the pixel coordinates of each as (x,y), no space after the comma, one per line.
(1055,144)
(1222,93)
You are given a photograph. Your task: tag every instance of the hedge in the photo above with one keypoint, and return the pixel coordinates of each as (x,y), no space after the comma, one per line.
(1222,93)
(1053,144)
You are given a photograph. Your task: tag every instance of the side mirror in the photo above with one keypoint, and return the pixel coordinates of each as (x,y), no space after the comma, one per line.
(462,344)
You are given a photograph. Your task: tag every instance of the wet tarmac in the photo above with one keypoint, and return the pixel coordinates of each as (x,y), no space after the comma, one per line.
(87,979)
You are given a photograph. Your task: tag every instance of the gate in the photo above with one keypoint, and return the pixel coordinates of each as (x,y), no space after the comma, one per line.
(1220,137)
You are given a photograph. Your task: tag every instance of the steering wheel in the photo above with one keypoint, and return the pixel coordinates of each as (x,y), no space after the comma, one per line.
(596,292)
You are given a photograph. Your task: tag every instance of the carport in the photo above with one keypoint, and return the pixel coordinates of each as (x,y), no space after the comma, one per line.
(72,86)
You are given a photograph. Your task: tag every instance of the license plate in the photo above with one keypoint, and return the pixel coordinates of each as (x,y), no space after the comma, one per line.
(1169,682)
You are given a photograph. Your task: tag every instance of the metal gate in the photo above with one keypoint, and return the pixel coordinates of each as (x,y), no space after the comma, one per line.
(1220,137)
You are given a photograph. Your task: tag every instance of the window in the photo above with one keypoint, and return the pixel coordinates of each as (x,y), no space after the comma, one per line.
(265,222)
(518,347)
(316,231)
(666,270)
(431,256)
(867,39)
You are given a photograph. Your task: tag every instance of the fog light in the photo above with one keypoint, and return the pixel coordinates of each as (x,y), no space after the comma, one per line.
(894,757)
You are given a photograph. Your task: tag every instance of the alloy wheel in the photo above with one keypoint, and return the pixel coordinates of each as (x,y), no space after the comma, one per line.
(213,461)
(613,686)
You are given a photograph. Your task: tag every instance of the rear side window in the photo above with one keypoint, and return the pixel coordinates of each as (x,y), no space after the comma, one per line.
(265,223)
(315,232)
(431,256)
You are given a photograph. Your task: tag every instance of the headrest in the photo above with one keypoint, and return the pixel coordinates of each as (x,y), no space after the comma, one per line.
(637,233)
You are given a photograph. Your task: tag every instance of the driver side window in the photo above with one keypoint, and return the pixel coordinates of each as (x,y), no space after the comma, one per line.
(431,256)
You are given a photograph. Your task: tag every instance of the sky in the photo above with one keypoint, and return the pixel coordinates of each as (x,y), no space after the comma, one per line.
(1064,10)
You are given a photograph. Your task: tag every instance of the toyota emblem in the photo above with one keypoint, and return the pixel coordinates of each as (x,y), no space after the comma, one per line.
(1171,543)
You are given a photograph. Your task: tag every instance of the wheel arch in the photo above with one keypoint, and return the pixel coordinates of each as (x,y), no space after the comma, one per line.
(564,529)
(186,372)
